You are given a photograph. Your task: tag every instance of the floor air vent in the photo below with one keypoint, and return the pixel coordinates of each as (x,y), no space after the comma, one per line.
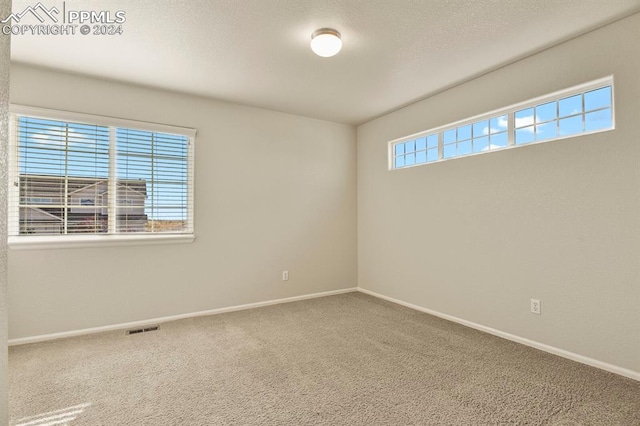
(142,330)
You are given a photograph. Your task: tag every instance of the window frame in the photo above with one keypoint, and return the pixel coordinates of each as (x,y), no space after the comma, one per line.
(21,242)
(509,111)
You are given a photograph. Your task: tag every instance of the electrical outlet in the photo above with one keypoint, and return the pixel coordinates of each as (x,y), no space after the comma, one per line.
(535,306)
(285,275)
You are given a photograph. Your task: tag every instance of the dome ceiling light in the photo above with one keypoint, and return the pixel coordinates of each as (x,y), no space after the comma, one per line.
(326,42)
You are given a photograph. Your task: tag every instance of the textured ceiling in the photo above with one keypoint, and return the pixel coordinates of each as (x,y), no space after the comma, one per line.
(256,52)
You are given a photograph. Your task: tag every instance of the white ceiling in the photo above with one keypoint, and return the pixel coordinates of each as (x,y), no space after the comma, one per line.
(256,52)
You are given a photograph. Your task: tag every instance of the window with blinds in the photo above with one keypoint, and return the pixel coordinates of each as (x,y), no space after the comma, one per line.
(151,166)
(94,176)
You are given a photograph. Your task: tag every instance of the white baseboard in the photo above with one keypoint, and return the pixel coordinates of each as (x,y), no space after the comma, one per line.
(635,375)
(544,347)
(142,323)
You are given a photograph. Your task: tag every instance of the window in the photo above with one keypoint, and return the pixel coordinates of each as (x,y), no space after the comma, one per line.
(571,115)
(480,136)
(587,108)
(418,151)
(84,179)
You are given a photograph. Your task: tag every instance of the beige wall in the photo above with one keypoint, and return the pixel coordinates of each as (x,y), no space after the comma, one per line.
(5,9)
(478,237)
(274,192)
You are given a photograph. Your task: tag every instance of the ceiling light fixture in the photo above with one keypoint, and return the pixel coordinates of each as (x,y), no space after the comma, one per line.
(326,42)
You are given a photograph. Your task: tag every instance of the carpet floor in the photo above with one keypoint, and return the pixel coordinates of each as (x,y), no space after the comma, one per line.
(349,359)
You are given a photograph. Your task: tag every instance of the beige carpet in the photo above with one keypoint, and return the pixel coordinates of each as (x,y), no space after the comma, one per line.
(341,360)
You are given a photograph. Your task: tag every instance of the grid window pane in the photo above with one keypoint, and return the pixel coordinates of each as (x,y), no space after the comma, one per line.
(523,118)
(596,99)
(409,147)
(498,124)
(464,133)
(598,120)
(571,125)
(499,140)
(481,128)
(570,106)
(546,131)
(481,144)
(525,135)
(449,136)
(546,112)
(409,159)
(449,151)
(432,141)
(464,148)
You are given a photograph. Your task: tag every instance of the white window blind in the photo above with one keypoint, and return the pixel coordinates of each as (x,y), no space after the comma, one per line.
(154,166)
(96,176)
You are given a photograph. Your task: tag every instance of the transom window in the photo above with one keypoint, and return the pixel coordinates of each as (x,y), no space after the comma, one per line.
(481,136)
(77,177)
(587,108)
(584,112)
(417,151)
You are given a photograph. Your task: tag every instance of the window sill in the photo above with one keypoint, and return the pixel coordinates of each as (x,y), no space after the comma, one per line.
(82,241)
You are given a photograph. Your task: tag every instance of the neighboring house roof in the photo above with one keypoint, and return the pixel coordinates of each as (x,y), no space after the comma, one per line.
(101,181)
(55,184)
(133,186)
(39,212)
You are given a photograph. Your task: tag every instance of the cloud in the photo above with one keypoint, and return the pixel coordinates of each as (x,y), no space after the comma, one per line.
(520,122)
(502,126)
(56,137)
(492,147)
(527,122)
(524,121)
